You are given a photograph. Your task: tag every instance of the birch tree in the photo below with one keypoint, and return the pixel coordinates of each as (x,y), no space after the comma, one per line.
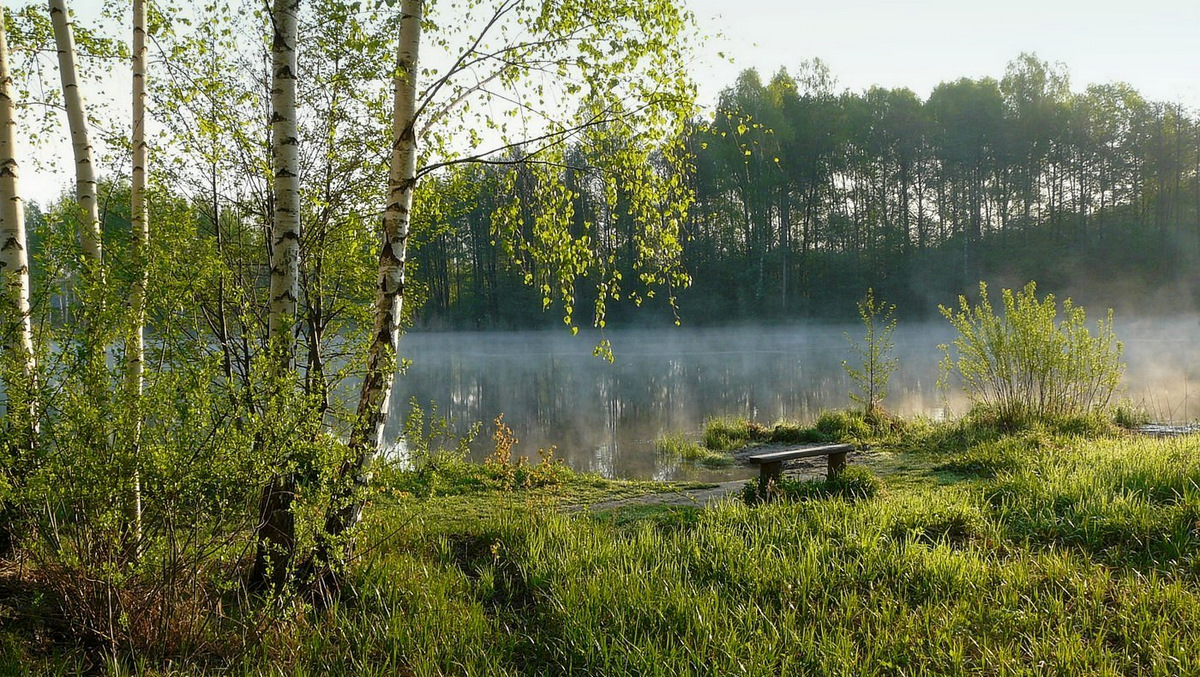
(285,224)
(529,79)
(18,368)
(135,343)
(85,173)
(15,321)
(375,393)
(276,531)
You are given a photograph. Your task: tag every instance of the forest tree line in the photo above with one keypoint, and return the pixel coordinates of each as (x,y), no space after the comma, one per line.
(806,196)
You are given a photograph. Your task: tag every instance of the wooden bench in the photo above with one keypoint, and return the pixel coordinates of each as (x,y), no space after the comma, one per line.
(770,464)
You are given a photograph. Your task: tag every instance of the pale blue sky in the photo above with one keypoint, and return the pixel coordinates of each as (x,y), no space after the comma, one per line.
(1152,44)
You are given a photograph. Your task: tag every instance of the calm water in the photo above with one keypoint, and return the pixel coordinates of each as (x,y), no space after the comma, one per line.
(604,417)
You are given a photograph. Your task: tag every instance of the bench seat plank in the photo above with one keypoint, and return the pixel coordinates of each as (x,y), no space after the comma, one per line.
(770,464)
(801,452)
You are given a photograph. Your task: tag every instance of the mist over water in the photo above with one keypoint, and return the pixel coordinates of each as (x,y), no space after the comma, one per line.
(605,417)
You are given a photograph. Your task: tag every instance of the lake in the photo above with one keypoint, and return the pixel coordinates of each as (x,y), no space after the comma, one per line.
(605,417)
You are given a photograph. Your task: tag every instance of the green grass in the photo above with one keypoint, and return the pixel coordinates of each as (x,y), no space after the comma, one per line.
(854,483)
(1037,552)
(677,446)
(732,433)
(1014,572)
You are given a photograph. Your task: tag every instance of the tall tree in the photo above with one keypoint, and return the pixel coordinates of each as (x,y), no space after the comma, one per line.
(617,75)
(276,532)
(135,346)
(376,390)
(15,325)
(17,368)
(285,165)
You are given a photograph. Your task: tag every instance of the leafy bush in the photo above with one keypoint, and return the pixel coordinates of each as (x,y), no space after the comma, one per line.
(1129,416)
(1030,364)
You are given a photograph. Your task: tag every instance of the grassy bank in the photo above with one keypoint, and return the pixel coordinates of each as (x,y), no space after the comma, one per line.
(1041,551)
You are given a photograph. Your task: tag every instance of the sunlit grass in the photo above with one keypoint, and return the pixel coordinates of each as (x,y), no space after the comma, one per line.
(678,446)
(1012,571)
(1043,552)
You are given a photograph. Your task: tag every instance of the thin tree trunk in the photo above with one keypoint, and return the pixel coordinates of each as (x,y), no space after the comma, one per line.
(366,439)
(85,174)
(135,342)
(285,226)
(20,375)
(276,532)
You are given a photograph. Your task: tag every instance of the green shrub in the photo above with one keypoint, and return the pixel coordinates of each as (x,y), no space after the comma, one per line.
(842,426)
(1129,416)
(727,433)
(1030,363)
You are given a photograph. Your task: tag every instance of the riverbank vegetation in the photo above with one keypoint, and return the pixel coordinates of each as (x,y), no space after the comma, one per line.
(197,473)
(974,549)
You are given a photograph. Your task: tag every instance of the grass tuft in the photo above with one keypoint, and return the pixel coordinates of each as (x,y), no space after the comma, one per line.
(677,446)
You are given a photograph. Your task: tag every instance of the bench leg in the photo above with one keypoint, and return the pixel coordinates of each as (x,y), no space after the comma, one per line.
(768,479)
(837,463)
(770,471)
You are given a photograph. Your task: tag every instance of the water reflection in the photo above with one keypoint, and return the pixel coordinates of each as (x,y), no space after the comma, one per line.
(604,417)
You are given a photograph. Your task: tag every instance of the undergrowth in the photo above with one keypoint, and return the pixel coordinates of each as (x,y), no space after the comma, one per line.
(1049,552)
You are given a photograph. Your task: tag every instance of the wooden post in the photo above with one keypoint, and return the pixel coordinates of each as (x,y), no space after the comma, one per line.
(837,463)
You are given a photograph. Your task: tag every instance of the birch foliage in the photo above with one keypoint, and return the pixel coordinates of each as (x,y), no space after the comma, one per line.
(547,76)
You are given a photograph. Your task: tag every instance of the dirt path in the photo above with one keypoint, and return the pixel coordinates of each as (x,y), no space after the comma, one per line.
(699,498)
(702,498)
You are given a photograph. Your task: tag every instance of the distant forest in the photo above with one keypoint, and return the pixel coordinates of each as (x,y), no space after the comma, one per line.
(805,196)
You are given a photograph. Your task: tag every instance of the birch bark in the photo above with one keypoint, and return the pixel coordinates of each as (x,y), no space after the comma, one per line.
(277,525)
(366,439)
(85,175)
(285,227)
(135,342)
(14,268)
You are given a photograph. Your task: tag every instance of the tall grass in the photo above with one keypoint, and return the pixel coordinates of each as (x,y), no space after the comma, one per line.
(968,579)
(678,446)
(1050,554)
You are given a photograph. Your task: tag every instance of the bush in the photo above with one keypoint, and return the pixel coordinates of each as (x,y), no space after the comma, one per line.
(852,484)
(842,426)
(1030,364)
(727,434)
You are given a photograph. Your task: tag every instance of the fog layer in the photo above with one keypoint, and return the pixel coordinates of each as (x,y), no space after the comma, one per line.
(605,417)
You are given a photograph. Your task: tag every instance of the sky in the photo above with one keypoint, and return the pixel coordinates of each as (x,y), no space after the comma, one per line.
(1152,44)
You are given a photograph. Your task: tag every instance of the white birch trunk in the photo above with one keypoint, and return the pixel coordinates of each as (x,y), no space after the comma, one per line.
(285,226)
(366,439)
(85,174)
(135,342)
(14,268)
(276,528)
